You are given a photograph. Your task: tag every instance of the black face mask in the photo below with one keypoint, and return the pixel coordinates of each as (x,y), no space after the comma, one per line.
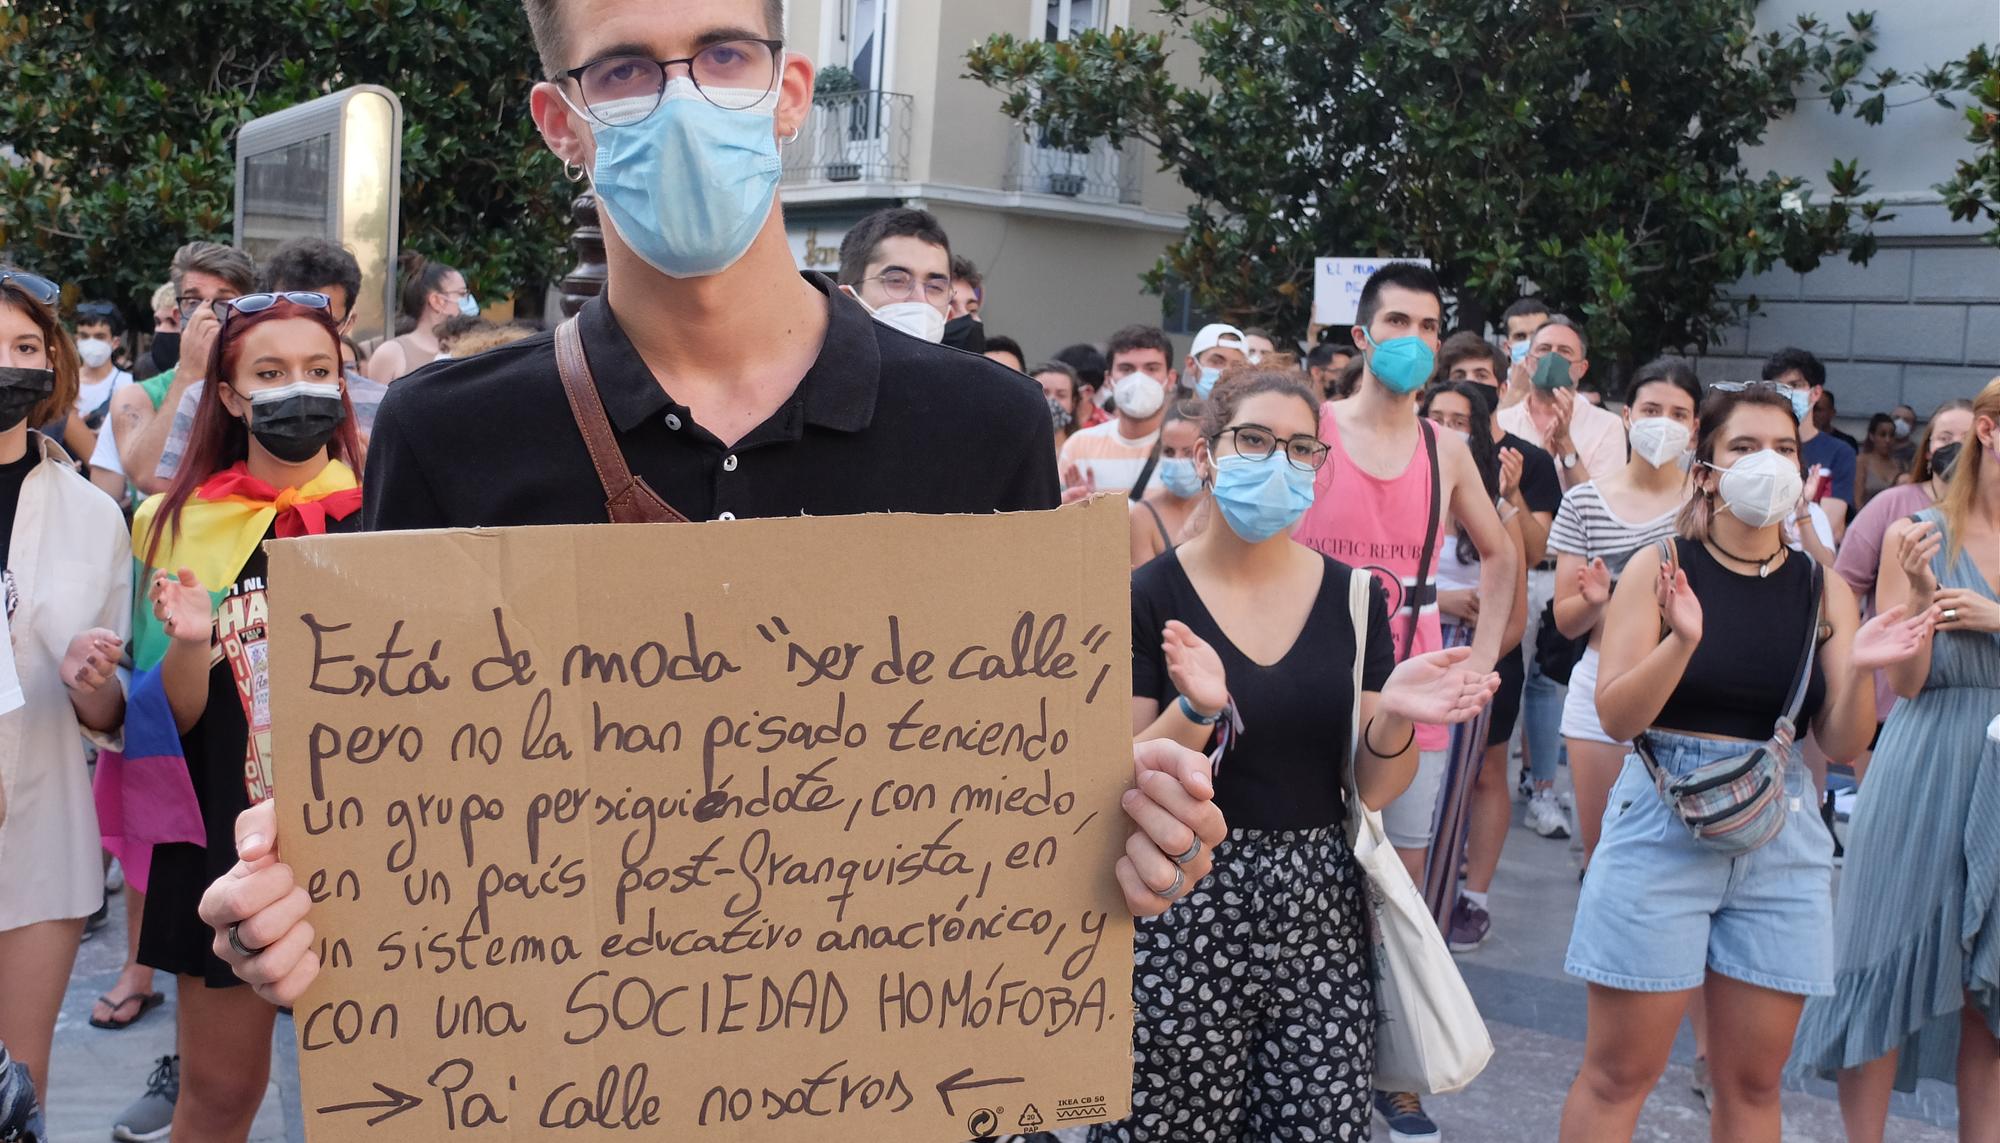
(965,333)
(166,350)
(296,421)
(1944,460)
(20,391)
(1489,395)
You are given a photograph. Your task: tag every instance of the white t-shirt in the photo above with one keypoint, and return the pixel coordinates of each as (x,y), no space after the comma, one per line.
(92,395)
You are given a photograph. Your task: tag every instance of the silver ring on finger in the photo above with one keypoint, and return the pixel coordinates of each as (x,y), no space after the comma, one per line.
(236,941)
(1193,851)
(1950,615)
(1174,890)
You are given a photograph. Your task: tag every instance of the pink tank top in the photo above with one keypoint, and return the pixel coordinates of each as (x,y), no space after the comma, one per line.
(1367,522)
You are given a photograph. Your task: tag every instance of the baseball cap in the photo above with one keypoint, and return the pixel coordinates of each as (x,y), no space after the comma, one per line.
(1218,334)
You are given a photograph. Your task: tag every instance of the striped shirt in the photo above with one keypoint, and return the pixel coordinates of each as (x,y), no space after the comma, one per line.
(1107,458)
(1585,526)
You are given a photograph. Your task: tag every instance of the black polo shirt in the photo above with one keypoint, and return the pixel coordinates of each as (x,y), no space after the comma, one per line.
(882,422)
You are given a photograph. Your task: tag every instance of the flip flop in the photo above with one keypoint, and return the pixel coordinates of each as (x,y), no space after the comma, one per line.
(147,1002)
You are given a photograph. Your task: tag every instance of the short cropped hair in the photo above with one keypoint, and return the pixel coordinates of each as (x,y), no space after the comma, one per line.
(891,222)
(1464,346)
(309,263)
(225,262)
(1406,275)
(1140,337)
(545,25)
(1526,307)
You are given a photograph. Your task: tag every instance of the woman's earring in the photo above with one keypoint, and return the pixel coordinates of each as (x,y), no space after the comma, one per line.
(572,172)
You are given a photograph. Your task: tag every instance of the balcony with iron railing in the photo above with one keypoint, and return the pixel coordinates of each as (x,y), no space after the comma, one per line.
(852,137)
(1100,173)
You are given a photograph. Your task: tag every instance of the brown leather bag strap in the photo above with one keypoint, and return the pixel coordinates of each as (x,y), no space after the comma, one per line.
(627,498)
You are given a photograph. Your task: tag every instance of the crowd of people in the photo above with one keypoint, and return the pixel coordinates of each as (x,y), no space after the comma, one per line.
(1368,573)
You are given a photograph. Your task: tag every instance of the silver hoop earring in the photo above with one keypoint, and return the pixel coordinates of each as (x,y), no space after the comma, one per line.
(572,172)
(791,138)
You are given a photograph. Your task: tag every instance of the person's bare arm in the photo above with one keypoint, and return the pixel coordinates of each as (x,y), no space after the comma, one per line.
(1847,718)
(1904,579)
(79,439)
(1497,572)
(388,362)
(140,450)
(1836,516)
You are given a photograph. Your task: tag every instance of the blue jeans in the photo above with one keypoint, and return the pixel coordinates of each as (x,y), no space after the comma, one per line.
(1541,697)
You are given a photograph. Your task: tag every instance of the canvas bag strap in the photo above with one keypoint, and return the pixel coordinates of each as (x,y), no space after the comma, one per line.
(627,498)
(1357,614)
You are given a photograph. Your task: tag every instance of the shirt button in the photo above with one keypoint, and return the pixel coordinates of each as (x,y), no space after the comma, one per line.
(729,463)
(674,421)
(727,516)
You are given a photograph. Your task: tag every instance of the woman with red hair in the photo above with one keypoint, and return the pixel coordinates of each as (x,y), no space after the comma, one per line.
(273,454)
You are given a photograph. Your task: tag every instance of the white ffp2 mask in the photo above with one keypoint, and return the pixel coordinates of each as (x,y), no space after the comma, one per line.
(1658,440)
(1762,488)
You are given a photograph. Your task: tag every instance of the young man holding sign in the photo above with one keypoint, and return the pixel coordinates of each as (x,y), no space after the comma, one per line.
(728,383)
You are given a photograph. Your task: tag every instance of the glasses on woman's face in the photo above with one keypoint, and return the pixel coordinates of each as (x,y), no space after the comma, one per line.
(1258,443)
(33,285)
(901,286)
(734,75)
(1456,422)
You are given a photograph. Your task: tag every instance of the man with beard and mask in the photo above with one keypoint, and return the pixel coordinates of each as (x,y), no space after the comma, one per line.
(142,416)
(1122,454)
(1543,405)
(711,380)
(1386,500)
(1217,347)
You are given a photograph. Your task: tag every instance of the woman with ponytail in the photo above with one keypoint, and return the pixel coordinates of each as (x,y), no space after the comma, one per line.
(432,293)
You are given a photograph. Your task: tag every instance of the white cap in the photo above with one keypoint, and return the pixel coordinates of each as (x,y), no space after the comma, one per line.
(1220,335)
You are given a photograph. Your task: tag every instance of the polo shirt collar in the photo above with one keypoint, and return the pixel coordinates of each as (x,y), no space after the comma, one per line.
(838,392)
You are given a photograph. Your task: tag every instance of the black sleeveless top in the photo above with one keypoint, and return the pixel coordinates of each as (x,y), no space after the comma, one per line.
(1752,632)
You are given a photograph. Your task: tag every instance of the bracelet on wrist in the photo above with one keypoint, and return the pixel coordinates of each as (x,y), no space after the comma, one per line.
(1189,712)
(1368,740)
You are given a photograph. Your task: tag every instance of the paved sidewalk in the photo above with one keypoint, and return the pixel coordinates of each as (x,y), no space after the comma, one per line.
(1535,1012)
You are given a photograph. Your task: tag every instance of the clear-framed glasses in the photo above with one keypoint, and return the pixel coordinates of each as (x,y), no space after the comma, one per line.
(901,285)
(1258,443)
(734,75)
(33,285)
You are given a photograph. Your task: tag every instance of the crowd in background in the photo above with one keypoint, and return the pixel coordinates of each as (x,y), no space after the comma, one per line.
(1607,583)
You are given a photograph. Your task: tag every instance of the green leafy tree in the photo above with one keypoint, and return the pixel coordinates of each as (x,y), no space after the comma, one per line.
(1593,150)
(122,115)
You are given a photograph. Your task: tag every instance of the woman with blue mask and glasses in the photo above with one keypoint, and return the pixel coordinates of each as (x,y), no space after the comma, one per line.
(1255,999)
(1176,505)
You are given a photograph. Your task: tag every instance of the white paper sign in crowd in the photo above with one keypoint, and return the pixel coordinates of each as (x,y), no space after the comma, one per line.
(1337,285)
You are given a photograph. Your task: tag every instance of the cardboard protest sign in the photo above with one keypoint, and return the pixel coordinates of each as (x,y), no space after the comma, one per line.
(1337,286)
(775,830)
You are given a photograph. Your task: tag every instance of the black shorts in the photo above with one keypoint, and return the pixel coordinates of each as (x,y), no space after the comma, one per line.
(1507,701)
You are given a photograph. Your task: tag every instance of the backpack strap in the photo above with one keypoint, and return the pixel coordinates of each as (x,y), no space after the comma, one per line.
(1432,524)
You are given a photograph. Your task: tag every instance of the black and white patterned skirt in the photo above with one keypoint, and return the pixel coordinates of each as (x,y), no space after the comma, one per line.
(1255,1000)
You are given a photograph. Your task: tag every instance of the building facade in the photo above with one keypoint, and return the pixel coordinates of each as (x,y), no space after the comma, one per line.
(1061,237)
(1920,323)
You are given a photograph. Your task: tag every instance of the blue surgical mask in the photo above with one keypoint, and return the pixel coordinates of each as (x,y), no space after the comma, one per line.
(1205,383)
(1261,498)
(468,305)
(689,187)
(1801,404)
(1178,476)
(1401,363)
(1518,352)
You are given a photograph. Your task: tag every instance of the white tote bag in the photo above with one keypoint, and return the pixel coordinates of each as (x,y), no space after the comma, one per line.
(1429,1037)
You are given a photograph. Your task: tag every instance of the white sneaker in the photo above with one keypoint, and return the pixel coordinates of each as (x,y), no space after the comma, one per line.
(1546,815)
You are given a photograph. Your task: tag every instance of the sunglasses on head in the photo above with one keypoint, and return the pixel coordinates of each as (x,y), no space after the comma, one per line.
(33,285)
(258,303)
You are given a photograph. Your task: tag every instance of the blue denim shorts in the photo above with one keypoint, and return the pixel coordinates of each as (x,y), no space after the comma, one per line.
(1659,911)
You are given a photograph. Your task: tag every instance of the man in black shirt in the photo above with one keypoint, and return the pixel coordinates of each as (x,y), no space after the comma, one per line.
(731,385)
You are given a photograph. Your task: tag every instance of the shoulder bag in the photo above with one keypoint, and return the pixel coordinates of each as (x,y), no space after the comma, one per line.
(628,499)
(1429,1037)
(1736,804)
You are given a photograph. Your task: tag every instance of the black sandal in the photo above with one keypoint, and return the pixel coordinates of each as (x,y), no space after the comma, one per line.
(147,1002)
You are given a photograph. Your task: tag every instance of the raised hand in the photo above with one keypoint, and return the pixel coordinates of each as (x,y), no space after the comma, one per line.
(1510,472)
(197,342)
(1593,580)
(182,606)
(1438,688)
(1079,483)
(1194,667)
(91,662)
(1891,637)
(1178,825)
(1919,545)
(1678,605)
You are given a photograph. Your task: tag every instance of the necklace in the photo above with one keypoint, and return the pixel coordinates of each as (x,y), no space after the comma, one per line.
(1763,566)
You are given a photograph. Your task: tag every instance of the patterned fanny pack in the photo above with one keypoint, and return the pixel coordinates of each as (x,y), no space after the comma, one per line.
(1736,804)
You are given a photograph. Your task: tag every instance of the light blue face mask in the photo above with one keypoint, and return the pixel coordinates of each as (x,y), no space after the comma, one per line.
(1178,476)
(1205,384)
(468,305)
(1801,404)
(1517,352)
(1401,363)
(688,187)
(1261,498)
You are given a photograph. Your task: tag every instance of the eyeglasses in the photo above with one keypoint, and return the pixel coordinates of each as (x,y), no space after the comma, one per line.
(33,285)
(1778,387)
(1258,443)
(902,286)
(189,303)
(734,75)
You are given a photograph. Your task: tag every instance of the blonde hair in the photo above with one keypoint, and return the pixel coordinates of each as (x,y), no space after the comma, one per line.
(1956,506)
